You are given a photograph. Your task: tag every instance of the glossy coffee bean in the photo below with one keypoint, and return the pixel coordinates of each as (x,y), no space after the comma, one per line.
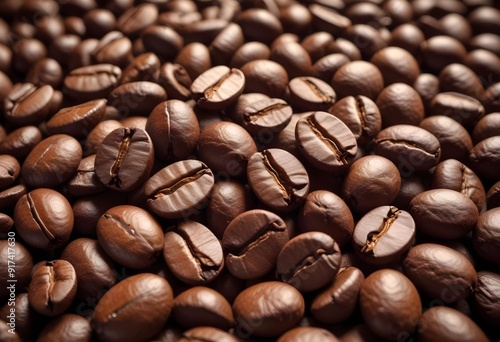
(45,71)
(370,182)
(202,306)
(9,170)
(25,315)
(16,260)
(208,334)
(440,272)
(264,116)
(443,213)
(491,102)
(442,323)
(9,197)
(487,127)
(130,236)
(52,287)
(278,179)
(338,301)
(259,25)
(85,181)
(67,327)
(6,223)
(145,67)
(267,309)
(358,78)
(310,93)
(325,19)
(308,261)
(136,98)
(226,43)
(293,57)
(135,309)
(464,109)
(113,48)
(484,158)
(493,196)
(180,189)
(266,77)
(440,51)
(176,81)
(195,58)
(383,235)
(27,104)
(124,159)
(459,78)
(97,135)
(163,41)
(485,237)
(327,66)
(44,218)
(89,82)
(248,52)
(396,65)
(484,296)
(308,334)
(193,253)
(136,18)
(399,103)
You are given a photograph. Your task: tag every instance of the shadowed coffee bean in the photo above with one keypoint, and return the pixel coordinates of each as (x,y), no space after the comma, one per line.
(27,104)
(91,82)
(486,236)
(17,256)
(21,141)
(308,261)
(464,109)
(52,288)
(326,142)
(338,301)
(390,304)
(145,67)
(180,189)
(253,241)
(67,327)
(193,253)
(176,81)
(278,179)
(484,158)
(399,103)
(135,309)
(44,218)
(130,236)
(9,170)
(124,159)
(208,334)
(383,235)
(485,296)
(440,272)
(85,181)
(136,98)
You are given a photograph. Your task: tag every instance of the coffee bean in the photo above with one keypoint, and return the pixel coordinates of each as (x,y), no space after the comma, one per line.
(484,296)
(493,196)
(9,170)
(180,189)
(6,223)
(400,104)
(308,334)
(202,31)
(278,179)
(163,41)
(491,96)
(145,67)
(358,78)
(327,66)
(325,19)
(208,334)
(45,71)
(81,55)
(253,241)
(487,127)
(427,86)
(345,47)
(269,115)
(383,235)
(462,108)
(135,19)
(248,52)
(483,63)
(440,51)
(390,303)
(25,316)
(52,287)
(293,57)
(202,306)
(7,336)
(135,309)
(85,181)
(124,159)
(310,94)
(10,196)
(89,82)
(97,135)
(366,38)
(459,78)
(176,81)
(113,48)
(137,98)
(264,303)
(98,22)
(226,43)
(308,261)
(259,25)
(484,158)
(396,65)
(338,301)
(195,58)
(486,236)
(67,326)
(17,258)
(266,77)
(27,104)
(440,272)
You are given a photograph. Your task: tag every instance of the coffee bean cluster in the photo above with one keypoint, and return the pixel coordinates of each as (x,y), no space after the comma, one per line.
(250,170)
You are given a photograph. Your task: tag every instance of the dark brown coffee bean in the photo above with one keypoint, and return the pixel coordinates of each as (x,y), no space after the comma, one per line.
(440,272)
(485,294)
(452,174)
(25,316)
(52,287)
(266,77)
(9,197)
(136,98)
(124,159)
(261,310)
(85,181)
(226,43)
(345,47)
(208,334)
(6,223)
(26,52)
(484,158)
(113,48)
(67,327)
(440,51)
(81,55)
(163,41)
(396,65)
(62,47)
(366,38)
(89,82)
(176,81)
(145,67)
(266,116)
(491,98)
(400,104)
(310,93)
(337,302)
(259,25)
(45,71)
(98,22)
(327,66)
(487,127)
(443,213)
(308,261)
(325,19)
(371,181)
(180,189)
(135,309)
(435,323)
(278,179)
(202,31)
(383,235)
(253,241)
(9,170)
(193,253)
(293,57)
(493,196)
(485,19)
(202,306)
(135,19)
(97,135)
(326,142)
(16,261)
(27,104)
(390,304)
(485,64)
(195,58)
(409,147)
(358,78)
(486,236)
(308,334)
(427,86)
(248,52)
(460,79)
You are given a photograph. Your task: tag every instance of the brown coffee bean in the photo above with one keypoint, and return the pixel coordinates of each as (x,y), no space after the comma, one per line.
(459,78)
(195,58)
(440,51)
(310,94)
(293,57)
(485,294)
(399,103)
(97,135)
(484,158)
(135,19)
(266,77)
(89,82)
(163,41)
(325,19)
(485,237)
(113,48)
(207,333)
(358,78)
(9,170)
(308,334)
(327,66)
(145,67)
(396,65)
(17,261)
(136,98)
(176,81)
(27,104)
(248,52)
(67,326)
(225,44)
(259,25)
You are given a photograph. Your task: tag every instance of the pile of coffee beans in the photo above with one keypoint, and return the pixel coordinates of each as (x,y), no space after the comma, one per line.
(249,170)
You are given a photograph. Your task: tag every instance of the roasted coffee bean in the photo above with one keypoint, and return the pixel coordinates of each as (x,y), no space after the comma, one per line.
(278,179)
(345,47)
(459,78)
(427,86)
(62,47)
(210,334)
(308,334)
(98,22)
(25,315)
(89,82)
(339,300)
(45,71)
(390,303)
(135,309)
(259,25)
(130,236)
(77,120)
(174,130)
(383,235)
(400,104)
(327,66)
(9,170)
(293,57)
(493,196)
(218,87)
(358,78)
(266,77)
(487,127)
(441,323)
(124,159)
(360,114)
(444,213)
(366,38)
(485,64)
(464,109)
(409,147)
(491,98)
(296,18)
(440,272)
(6,223)
(193,253)
(6,335)
(440,51)
(180,189)
(308,261)
(135,19)
(81,55)
(310,94)
(253,241)
(97,135)
(266,116)
(396,65)
(276,306)
(452,174)
(326,142)
(453,138)
(248,52)
(145,67)
(136,98)
(16,260)
(85,181)
(52,287)
(325,19)
(27,104)
(176,81)
(202,31)
(113,48)
(195,58)
(163,41)
(9,197)
(67,327)
(485,296)
(226,43)
(26,52)
(202,306)
(370,182)
(484,158)
(486,236)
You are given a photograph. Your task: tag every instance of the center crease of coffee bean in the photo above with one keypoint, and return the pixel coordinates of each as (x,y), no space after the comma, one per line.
(324,98)
(115,313)
(254,116)
(261,236)
(464,184)
(50,279)
(373,237)
(361,111)
(285,184)
(194,175)
(122,152)
(304,263)
(333,145)
(410,144)
(38,220)
(212,90)
(18,101)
